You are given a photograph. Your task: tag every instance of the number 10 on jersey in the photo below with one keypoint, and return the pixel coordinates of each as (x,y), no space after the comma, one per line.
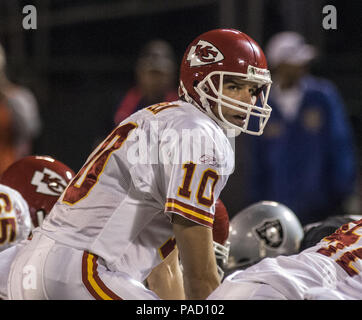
(208,174)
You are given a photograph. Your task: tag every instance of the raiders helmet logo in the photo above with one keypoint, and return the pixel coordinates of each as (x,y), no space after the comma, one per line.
(48,182)
(271,232)
(204,53)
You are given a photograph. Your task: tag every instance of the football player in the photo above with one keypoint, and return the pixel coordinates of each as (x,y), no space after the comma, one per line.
(15,222)
(316,231)
(153,181)
(28,190)
(329,270)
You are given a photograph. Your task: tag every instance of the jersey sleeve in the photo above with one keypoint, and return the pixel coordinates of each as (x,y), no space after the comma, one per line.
(197,172)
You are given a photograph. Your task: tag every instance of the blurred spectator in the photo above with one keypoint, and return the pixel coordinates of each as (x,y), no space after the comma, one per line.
(19,119)
(306,156)
(155,77)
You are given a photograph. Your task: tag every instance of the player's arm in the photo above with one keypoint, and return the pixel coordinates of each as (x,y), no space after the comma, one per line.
(166,278)
(195,244)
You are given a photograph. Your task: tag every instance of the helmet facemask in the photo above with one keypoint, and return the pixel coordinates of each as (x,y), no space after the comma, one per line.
(222,256)
(210,91)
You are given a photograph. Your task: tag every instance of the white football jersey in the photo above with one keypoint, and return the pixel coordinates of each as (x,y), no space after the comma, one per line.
(332,268)
(167,158)
(349,289)
(15,221)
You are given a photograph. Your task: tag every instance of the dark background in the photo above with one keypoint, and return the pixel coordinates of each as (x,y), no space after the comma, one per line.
(79,60)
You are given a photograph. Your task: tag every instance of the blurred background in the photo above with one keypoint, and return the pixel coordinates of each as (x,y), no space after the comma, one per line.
(80,60)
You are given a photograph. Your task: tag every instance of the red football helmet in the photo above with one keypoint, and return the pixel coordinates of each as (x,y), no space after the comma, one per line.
(220,234)
(219,53)
(40,180)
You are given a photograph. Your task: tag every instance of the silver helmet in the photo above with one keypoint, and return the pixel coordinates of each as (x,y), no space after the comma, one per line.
(264,229)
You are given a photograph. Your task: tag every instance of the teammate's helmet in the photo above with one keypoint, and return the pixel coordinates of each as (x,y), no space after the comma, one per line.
(219,53)
(220,234)
(264,229)
(40,180)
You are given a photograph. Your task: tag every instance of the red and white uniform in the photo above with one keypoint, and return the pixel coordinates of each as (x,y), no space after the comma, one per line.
(112,225)
(15,224)
(331,269)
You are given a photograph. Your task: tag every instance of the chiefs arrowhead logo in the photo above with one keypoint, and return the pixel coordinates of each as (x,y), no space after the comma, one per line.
(48,182)
(204,53)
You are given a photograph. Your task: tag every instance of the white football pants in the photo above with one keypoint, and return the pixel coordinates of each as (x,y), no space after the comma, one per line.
(45,269)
